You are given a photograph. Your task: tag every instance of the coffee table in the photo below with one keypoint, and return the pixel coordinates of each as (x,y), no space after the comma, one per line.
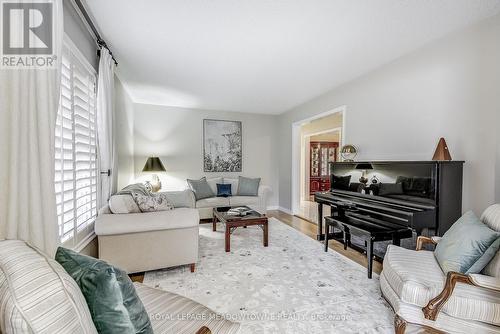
(232,222)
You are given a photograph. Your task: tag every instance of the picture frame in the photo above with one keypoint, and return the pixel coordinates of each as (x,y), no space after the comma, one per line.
(222,146)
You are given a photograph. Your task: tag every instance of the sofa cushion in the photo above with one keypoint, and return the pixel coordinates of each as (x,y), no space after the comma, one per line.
(180,199)
(200,188)
(37,295)
(110,294)
(416,277)
(248,186)
(147,221)
(234,184)
(123,204)
(464,244)
(244,200)
(212,182)
(171,313)
(212,202)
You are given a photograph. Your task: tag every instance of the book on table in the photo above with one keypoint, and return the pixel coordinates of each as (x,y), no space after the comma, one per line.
(239,211)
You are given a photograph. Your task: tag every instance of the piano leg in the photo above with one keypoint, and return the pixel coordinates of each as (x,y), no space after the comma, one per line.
(396,240)
(347,237)
(369,256)
(320,222)
(327,232)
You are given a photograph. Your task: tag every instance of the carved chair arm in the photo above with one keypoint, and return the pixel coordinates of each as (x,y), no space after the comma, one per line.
(486,282)
(204,330)
(436,304)
(421,241)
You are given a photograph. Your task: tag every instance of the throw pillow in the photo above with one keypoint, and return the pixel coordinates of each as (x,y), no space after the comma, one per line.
(153,202)
(390,189)
(200,188)
(123,204)
(340,182)
(233,183)
(248,186)
(223,190)
(109,292)
(465,243)
(212,182)
(487,257)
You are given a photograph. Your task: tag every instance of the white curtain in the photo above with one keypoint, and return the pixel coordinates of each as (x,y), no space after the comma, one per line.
(105,115)
(29,100)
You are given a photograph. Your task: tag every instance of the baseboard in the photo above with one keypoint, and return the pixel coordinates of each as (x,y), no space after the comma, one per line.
(285,210)
(274,207)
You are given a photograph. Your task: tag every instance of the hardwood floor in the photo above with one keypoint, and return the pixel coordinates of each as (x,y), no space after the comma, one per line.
(308,229)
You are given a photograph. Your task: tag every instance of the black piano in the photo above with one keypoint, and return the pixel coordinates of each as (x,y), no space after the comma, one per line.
(423,196)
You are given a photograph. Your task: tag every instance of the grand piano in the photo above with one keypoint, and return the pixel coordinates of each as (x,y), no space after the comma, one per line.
(424,196)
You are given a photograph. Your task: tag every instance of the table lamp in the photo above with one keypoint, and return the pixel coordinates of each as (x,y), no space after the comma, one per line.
(364,167)
(153,164)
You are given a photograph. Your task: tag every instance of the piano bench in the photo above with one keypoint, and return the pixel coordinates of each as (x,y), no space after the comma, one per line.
(370,231)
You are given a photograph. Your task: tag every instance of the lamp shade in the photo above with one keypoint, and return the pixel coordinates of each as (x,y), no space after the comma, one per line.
(153,164)
(364,165)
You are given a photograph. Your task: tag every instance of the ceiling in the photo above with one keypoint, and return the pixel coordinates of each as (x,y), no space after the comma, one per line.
(265,56)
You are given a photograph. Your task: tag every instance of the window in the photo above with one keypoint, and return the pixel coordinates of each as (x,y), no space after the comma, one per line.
(76,150)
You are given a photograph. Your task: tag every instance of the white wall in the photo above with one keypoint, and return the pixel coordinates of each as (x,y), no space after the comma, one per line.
(399,111)
(124,136)
(176,135)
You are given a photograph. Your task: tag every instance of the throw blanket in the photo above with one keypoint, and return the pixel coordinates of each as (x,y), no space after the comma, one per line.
(145,200)
(136,188)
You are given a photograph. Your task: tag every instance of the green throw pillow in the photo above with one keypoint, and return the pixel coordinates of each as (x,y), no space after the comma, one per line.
(109,292)
(467,246)
(248,186)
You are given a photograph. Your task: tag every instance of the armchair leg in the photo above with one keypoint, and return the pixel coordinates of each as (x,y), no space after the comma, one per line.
(204,330)
(399,325)
(192,267)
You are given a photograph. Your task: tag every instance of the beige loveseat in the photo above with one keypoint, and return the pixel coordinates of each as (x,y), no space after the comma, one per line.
(38,296)
(137,242)
(420,293)
(205,206)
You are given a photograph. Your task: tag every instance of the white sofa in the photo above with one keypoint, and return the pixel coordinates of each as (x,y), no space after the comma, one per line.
(38,296)
(420,293)
(137,242)
(205,206)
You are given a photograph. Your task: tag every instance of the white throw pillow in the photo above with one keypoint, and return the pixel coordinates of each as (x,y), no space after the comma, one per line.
(155,202)
(123,204)
(233,183)
(213,183)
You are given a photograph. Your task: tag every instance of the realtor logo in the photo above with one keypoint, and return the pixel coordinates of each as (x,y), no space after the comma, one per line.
(27,34)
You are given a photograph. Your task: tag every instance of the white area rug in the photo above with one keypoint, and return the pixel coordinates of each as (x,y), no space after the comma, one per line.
(292,286)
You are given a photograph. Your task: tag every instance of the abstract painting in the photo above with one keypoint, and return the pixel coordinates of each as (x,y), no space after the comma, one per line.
(221,146)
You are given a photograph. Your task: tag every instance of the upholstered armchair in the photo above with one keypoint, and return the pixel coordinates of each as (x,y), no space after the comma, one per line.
(421,294)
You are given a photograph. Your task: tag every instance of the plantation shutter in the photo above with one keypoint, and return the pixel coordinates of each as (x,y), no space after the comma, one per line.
(76,150)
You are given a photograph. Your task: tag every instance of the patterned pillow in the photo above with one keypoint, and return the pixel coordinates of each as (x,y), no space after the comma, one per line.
(153,202)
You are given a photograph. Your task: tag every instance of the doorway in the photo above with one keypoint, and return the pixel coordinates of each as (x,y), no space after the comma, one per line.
(317,141)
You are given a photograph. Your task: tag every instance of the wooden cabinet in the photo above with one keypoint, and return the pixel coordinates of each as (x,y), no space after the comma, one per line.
(321,153)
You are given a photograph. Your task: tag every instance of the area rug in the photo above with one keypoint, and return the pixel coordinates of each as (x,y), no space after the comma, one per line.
(292,286)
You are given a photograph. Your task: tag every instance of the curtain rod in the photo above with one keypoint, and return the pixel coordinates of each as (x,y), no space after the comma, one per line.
(89,22)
